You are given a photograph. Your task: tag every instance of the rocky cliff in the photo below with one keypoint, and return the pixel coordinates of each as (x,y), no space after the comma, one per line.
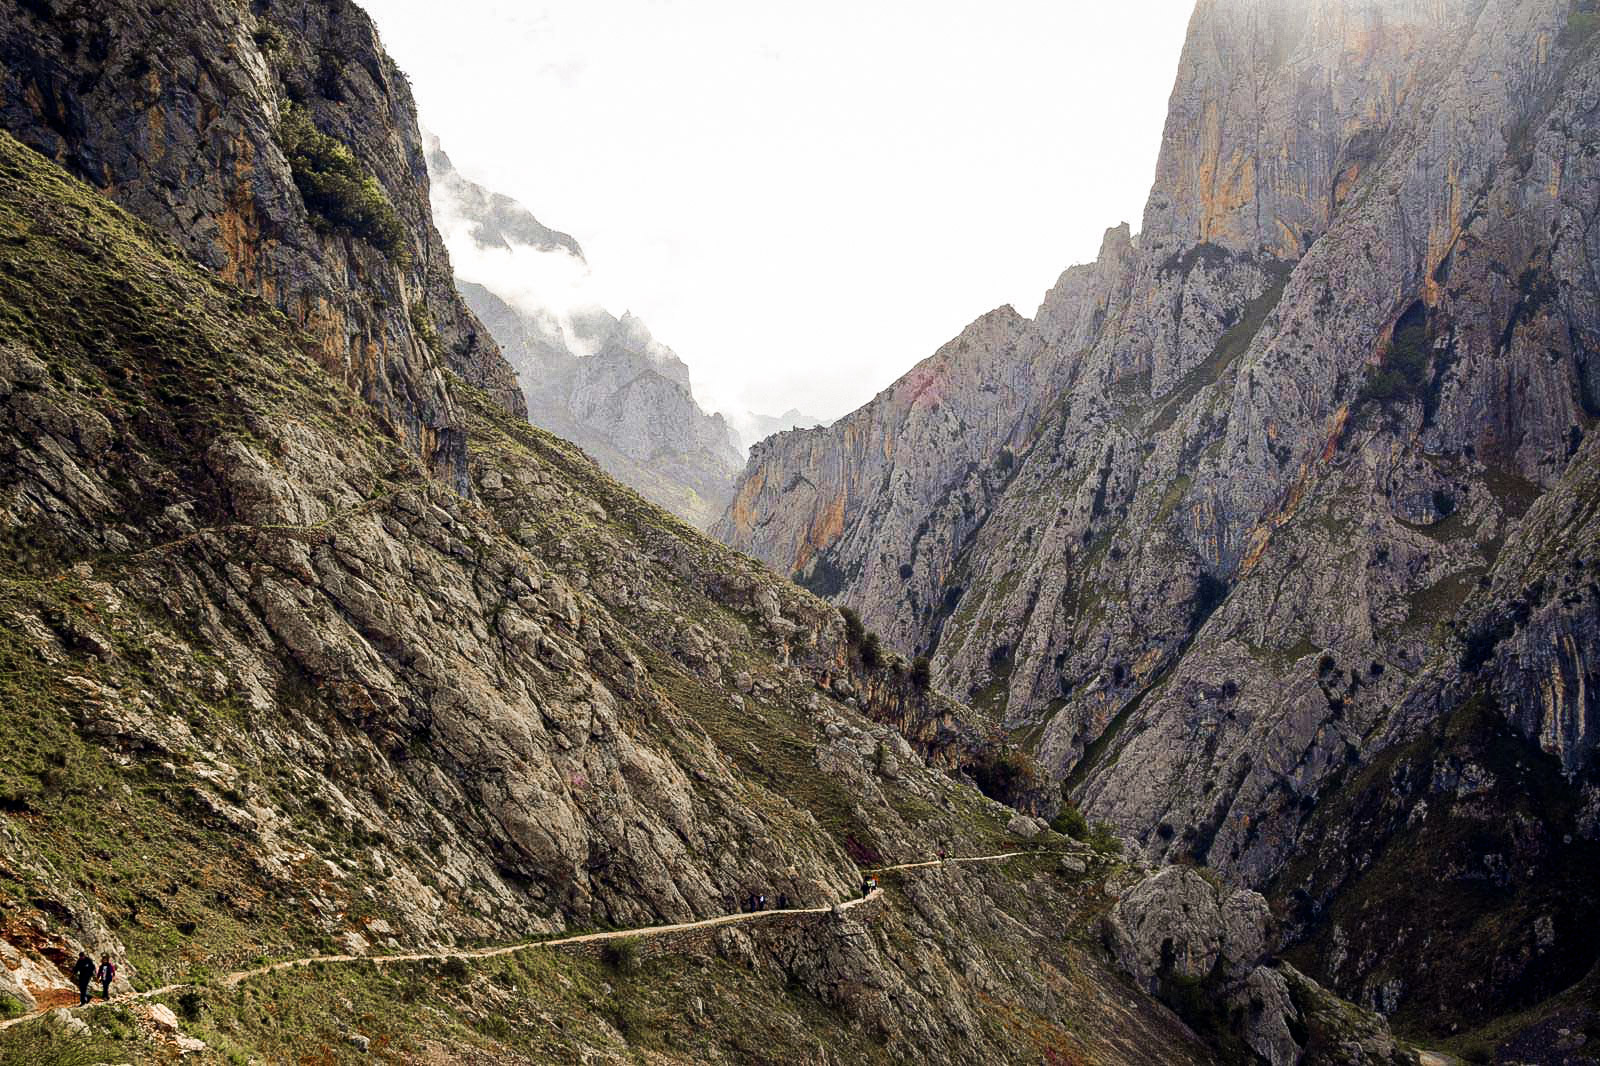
(273,689)
(602,382)
(279,681)
(1268,533)
(276,143)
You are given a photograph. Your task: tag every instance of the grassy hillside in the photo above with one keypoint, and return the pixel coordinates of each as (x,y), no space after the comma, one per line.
(271,691)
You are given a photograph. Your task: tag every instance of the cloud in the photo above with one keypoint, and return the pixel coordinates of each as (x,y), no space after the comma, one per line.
(802,199)
(551,285)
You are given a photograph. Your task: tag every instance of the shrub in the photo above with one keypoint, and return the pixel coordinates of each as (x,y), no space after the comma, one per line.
(191,1004)
(1005,773)
(922,673)
(1103,838)
(621,956)
(853,629)
(871,651)
(422,325)
(1069,821)
(340,194)
(10,1008)
(45,1043)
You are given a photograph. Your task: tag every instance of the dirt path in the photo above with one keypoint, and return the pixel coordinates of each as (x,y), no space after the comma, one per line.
(958,858)
(233,979)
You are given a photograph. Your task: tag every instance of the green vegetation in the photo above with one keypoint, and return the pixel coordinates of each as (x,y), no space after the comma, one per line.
(621,956)
(773,747)
(1103,838)
(45,1043)
(921,673)
(854,631)
(168,362)
(1583,19)
(871,651)
(1069,821)
(1201,1003)
(10,1008)
(342,195)
(1005,772)
(422,325)
(1403,376)
(1429,861)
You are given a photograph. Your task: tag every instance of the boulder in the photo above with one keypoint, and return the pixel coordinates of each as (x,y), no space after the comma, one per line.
(1023,826)
(69,1021)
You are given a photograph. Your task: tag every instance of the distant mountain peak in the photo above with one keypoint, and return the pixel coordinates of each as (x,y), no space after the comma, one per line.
(497,221)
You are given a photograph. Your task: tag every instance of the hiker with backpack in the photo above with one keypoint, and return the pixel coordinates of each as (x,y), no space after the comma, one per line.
(105,975)
(82,974)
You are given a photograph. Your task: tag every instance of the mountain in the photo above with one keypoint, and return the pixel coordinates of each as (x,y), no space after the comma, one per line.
(318,714)
(601,382)
(494,221)
(1272,534)
(751,428)
(266,158)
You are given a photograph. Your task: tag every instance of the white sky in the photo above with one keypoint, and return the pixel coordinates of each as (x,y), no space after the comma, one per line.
(804,199)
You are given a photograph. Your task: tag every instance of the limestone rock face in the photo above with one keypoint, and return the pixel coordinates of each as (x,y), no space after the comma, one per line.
(1203,948)
(1177,923)
(602,382)
(177,113)
(1298,472)
(264,669)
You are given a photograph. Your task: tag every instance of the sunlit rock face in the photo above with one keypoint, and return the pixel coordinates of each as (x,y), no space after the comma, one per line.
(1282,483)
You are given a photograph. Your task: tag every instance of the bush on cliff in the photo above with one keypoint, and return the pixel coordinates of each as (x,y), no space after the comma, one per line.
(338,191)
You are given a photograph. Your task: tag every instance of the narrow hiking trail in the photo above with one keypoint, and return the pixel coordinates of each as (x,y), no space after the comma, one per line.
(232,980)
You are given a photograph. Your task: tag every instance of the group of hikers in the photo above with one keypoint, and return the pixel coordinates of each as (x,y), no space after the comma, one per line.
(757,901)
(85,973)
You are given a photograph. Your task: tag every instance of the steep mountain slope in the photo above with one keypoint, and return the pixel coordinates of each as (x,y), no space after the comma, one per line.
(268,687)
(601,382)
(277,144)
(1257,546)
(272,686)
(874,509)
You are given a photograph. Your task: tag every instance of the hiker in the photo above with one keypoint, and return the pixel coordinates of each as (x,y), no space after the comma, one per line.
(783,901)
(763,904)
(82,974)
(105,975)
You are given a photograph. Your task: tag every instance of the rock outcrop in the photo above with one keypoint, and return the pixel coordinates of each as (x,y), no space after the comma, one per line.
(1204,949)
(271,685)
(1282,493)
(602,382)
(275,143)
